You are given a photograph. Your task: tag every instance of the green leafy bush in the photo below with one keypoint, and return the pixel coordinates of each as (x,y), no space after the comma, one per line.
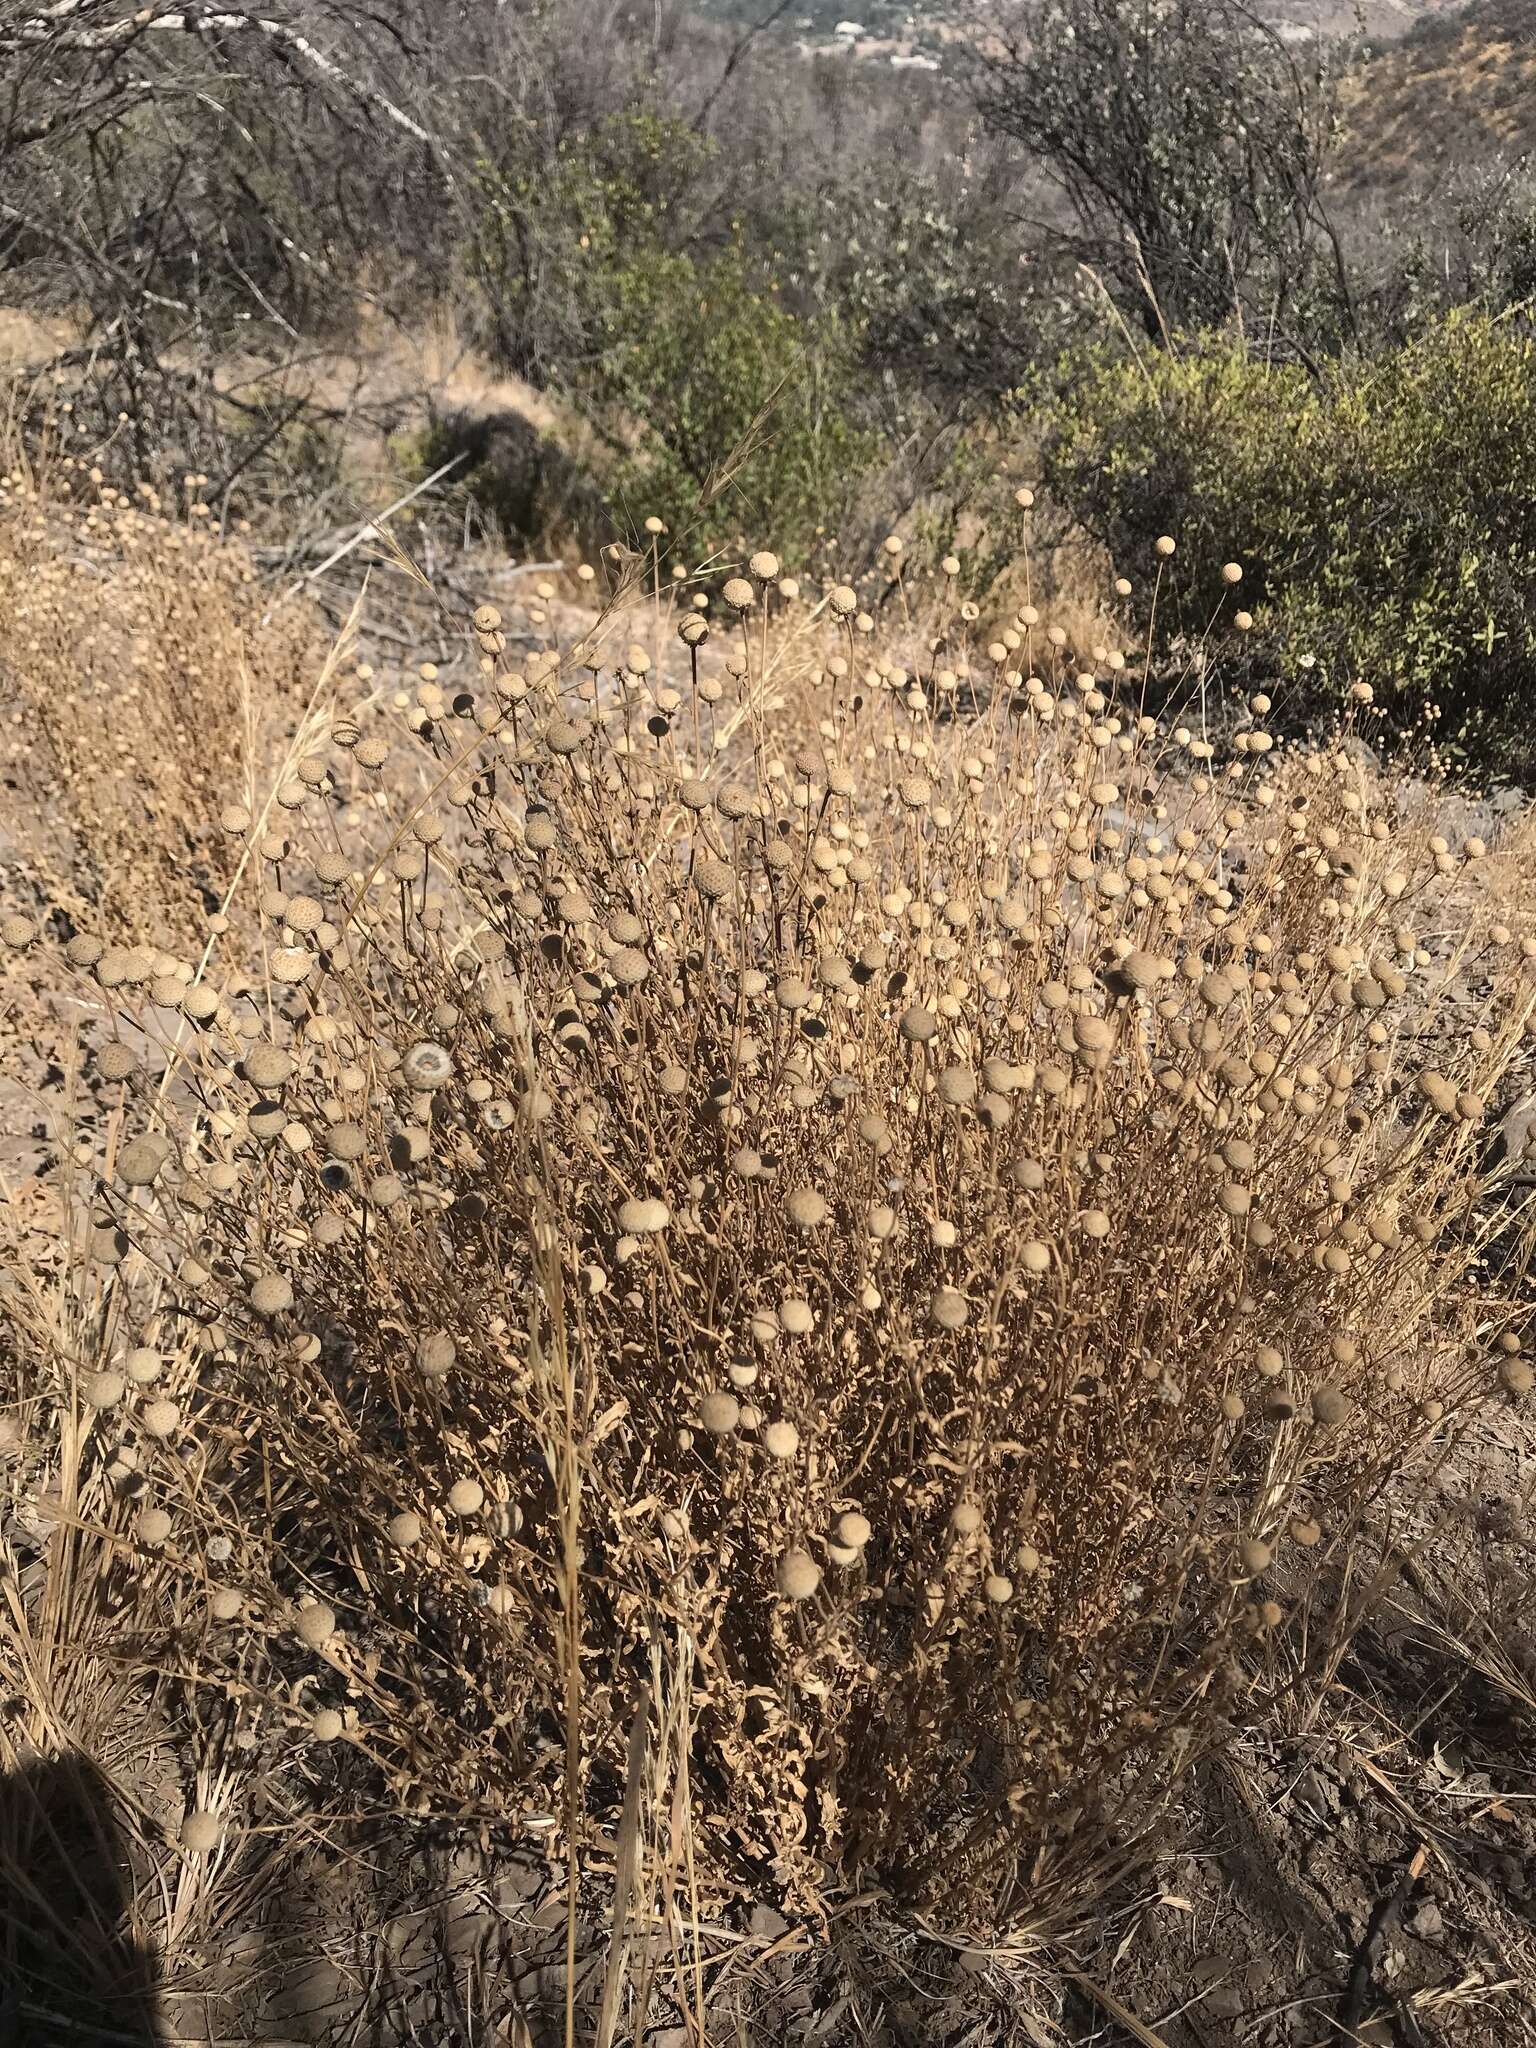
(724,407)
(735,411)
(1384,510)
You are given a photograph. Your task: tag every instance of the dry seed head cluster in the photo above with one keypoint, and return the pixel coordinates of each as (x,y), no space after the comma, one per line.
(835,1145)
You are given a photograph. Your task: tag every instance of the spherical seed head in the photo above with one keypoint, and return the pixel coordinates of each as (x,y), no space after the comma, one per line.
(918,1025)
(1141,969)
(291,965)
(426,1067)
(1234,1200)
(1232,572)
(1034,1256)
(957,1087)
(1165,544)
(267,1066)
(965,1518)
(404,1529)
(271,1295)
(435,1354)
(201,1832)
(115,1062)
(1515,1376)
(161,1419)
(466,1497)
(852,1530)
(948,1309)
(326,1724)
(713,878)
(796,1315)
(315,1625)
(797,1575)
(842,601)
(764,565)
(739,594)
(1269,1361)
(643,1216)
(102,1389)
(154,1526)
(1254,1556)
(140,1161)
(720,1412)
(1331,1406)
(143,1365)
(225,1604)
(999,1591)
(693,631)
(781,1439)
(628,966)
(807,1209)
(17,933)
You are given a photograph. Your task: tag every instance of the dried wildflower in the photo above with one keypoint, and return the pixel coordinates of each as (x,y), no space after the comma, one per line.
(713,878)
(948,1309)
(271,1295)
(426,1067)
(267,1066)
(315,1624)
(161,1419)
(141,1160)
(720,1412)
(1331,1406)
(643,1216)
(628,966)
(797,1575)
(201,1833)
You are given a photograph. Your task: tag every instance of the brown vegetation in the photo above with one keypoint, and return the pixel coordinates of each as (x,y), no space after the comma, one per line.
(838,1229)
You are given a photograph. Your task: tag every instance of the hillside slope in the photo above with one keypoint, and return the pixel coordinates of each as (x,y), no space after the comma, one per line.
(1457,92)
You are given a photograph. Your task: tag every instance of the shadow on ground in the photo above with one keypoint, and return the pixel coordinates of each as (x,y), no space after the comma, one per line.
(71,1970)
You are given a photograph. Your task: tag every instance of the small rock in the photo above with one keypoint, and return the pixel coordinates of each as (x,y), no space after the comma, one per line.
(1314,1795)
(1426,1921)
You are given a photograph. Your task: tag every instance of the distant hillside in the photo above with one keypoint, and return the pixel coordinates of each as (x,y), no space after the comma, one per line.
(1458,91)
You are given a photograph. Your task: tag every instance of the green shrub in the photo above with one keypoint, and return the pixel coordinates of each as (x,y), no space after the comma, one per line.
(734,411)
(682,354)
(1384,511)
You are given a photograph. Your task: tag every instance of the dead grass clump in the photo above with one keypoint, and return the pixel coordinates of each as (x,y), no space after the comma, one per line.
(866,1212)
(141,687)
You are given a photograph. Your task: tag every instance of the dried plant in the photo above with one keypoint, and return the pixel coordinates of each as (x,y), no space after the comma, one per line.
(833,1230)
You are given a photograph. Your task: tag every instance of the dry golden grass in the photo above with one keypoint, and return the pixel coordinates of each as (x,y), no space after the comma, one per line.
(142,686)
(846,1237)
